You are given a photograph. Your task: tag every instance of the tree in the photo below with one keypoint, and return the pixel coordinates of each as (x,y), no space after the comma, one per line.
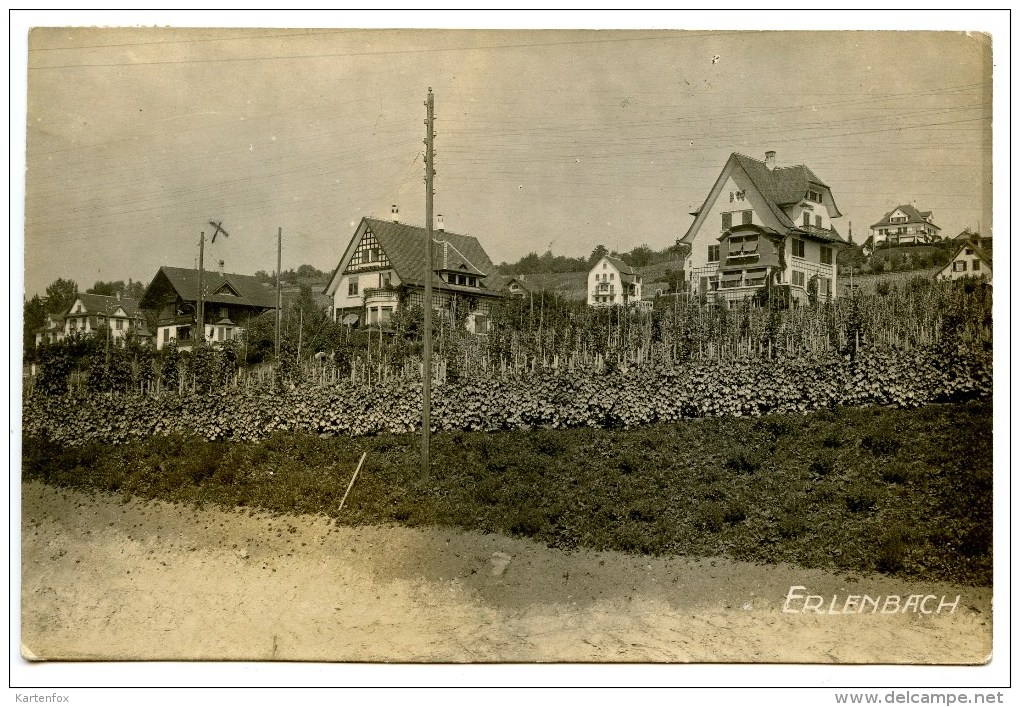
(108,289)
(675,279)
(639,257)
(60,295)
(308,271)
(597,254)
(35,318)
(134,290)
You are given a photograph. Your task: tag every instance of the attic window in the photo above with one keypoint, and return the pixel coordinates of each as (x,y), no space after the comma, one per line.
(815,196)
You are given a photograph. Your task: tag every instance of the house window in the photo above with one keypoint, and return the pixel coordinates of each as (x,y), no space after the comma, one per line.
(798,278)
(481,324)
(387,314)
(968,251)
(798,248)
(472,282)
(603,264)
(959,266)
(807,219)
(352,287)
(713,254)
(814,196)
(754,277)
(612,276)
(727,221)
(826,255)
(384,279)
(120,323)
(827,286)
(818,221)
(746,217)
(166,335)
(975,264)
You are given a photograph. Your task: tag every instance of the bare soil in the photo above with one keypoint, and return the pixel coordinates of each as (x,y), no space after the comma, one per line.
(111,578)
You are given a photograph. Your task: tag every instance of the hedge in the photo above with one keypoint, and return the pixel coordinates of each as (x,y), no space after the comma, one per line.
(548,400)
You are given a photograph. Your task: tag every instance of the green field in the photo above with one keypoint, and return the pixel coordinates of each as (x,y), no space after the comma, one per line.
(904,492)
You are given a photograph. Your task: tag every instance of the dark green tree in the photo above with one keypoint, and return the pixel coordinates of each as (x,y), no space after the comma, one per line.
(60,295)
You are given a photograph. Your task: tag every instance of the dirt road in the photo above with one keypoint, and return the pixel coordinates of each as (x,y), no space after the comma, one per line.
(104,578)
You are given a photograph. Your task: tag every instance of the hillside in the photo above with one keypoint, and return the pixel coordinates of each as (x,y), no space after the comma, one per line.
(867,284)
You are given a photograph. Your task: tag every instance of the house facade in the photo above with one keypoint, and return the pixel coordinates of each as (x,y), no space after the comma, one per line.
(52,331)
(905,225)
(763,224)
(970,260)
(230,302)
(612,282)
(383,268)
(110,316)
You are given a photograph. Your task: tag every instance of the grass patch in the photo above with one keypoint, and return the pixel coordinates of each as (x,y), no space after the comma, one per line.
(833,489)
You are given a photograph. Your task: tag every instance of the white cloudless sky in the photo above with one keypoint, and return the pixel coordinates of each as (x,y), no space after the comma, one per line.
(546,139)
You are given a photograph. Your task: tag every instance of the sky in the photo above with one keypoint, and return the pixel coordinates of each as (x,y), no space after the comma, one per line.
(554,140)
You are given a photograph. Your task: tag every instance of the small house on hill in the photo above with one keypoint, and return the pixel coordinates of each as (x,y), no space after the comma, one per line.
(969,260)
(383,268)
(612,282)
(904,225)
(230,301)
(110,316)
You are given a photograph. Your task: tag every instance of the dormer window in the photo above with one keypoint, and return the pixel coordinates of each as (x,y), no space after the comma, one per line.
(815,196)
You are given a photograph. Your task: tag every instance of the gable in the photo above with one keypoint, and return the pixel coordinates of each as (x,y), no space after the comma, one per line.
(735,179)
(367,254)
(225,290)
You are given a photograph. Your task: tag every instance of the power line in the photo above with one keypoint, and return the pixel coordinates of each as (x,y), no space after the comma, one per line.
(387,52)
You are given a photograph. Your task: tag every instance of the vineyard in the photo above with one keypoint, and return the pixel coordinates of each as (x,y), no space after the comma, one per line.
(546,363)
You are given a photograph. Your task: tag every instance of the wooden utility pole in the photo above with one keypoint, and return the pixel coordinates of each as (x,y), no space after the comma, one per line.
(279,294)
(426,394)
(200,313)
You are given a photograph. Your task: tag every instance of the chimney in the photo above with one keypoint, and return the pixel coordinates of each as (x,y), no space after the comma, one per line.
(221,268)
(770,159)
(118,295)
(394,214)
(439,223)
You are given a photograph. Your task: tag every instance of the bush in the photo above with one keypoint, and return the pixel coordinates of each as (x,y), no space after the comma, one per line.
(544,400)
(859,500)
(881,444)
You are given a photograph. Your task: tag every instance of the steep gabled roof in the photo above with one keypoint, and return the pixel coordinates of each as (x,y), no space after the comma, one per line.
(912,214)
(984,255)
(779,187)
(621,266)
(108,304)
(405,247)
(185,282)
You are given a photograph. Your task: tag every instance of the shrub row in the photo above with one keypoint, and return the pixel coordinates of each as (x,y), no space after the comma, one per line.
(618,399)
